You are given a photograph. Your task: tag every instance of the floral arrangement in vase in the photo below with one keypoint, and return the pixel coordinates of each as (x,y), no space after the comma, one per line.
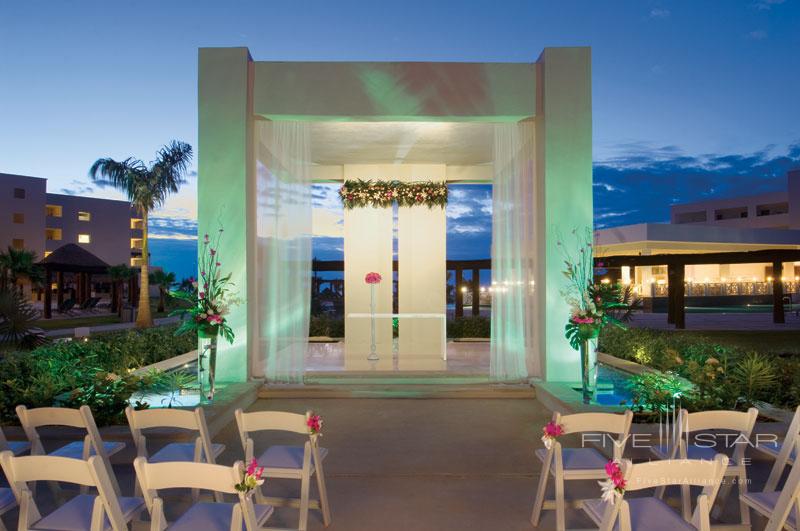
(210,299)
(383,194)
(251,478)
(314,423)
(550,433)
(591,306)
(614,486)
(372,279)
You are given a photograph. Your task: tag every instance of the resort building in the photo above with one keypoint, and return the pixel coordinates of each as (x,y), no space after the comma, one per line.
(750,223)
(32,219)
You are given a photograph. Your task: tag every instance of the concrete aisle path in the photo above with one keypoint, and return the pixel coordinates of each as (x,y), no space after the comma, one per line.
(418,464)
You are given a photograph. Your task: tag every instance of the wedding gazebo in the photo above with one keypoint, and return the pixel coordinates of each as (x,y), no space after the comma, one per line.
(268,130)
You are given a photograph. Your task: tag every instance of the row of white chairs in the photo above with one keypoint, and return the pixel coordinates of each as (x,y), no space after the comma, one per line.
(682,459)
(175,465)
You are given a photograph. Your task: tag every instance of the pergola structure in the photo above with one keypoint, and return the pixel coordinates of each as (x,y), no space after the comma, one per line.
(676,267)
(70,258)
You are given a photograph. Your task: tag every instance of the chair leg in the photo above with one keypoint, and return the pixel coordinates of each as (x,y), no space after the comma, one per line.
(722,495)
(686,503)
(538,503)
(323,495)
(743,508)
(305,486)
(561,520)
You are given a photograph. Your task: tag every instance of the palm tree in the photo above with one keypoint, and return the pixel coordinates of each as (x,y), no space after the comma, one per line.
(16,263)
(119,274)
(147,187)
(164,281)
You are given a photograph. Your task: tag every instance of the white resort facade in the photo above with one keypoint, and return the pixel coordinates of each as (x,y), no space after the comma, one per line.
(268,130)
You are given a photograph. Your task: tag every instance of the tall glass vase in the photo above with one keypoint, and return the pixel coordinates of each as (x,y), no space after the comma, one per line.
(373,348)
(588,372)
(209,352)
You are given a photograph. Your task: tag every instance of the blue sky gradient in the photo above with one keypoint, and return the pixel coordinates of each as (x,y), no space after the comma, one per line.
(691,98)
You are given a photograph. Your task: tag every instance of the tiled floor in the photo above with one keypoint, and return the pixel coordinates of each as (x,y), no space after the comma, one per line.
(462,358)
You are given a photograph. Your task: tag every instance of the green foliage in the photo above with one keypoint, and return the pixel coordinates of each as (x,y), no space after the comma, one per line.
(18,322)
(469,327)
(96,372)
(383,194)
(324,326)
(656,392)
(723,376)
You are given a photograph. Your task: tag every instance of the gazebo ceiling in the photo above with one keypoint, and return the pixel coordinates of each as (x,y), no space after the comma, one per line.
(454,143)
(74,258)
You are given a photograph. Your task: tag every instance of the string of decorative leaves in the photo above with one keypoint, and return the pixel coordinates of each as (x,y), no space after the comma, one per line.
(383,194)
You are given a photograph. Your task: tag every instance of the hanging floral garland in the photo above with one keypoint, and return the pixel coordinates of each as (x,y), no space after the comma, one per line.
(383,194)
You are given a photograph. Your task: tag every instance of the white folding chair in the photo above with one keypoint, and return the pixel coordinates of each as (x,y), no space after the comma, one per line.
(782,507)
(201,450)
(739,422)
(83,512)
(566,464)
(153,477)
(76,418)
(15,447)
(289,462)
(7,499)
(784,452)
(651,513)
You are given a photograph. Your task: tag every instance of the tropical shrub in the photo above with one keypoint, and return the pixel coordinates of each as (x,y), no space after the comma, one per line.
(475,326)
(96,372)
(324,326)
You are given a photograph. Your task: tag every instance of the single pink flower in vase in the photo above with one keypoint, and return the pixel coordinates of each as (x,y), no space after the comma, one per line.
(550,433)
(372,278)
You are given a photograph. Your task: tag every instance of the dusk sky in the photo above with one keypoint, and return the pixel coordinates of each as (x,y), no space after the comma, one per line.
(691,99)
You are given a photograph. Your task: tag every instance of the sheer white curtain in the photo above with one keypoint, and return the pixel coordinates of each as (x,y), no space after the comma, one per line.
(514,353)
(283,259)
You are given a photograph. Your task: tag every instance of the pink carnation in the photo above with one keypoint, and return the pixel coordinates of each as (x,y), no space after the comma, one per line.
(373,278)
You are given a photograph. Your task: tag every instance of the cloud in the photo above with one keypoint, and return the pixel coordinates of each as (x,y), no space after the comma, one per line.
(765,5)
(170,228)
(757,35)
(78,187)
(658,12)
(653,177)
(470,229)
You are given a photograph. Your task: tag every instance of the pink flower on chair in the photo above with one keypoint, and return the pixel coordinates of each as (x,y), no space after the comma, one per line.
(373,278)
(314,423)
(550,432)
(614,486)
(251,478)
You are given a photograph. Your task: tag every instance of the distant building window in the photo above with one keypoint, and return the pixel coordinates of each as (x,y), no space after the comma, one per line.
(18,243)
(84,216)
(18,217)
(691,217)
(52,234)
(53,211)
(19,193)
(137,224)
(47,253)
(772,210)
(84,238)
(730,213)
(136,262)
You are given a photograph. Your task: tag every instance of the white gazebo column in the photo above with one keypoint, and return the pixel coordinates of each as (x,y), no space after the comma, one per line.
(564,192)
(422,274)
(367,248)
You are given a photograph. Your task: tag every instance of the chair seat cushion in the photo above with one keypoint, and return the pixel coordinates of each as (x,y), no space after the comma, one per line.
(7,499)
(764,503)
(286,457)
(19,447)
(215,516)
(650,514)
(76,514)
(182,452)
(74,450)
(774,448)
(578,459)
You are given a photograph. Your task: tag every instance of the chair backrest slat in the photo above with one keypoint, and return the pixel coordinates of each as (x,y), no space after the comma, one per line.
(618,424)
(271,420)
(50,416)
(694,472)
(741,421)
(162,417)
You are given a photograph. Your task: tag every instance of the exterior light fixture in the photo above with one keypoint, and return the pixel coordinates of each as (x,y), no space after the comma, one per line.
(605,281)
(769,279)
(463,289)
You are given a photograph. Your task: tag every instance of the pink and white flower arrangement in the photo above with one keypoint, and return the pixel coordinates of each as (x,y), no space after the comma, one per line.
(373,278)
(360,193)
(551,432)
(614,486)
(251,477)
(314,423)
(211,296)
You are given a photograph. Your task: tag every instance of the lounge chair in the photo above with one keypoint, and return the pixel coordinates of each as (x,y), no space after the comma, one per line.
(66,307)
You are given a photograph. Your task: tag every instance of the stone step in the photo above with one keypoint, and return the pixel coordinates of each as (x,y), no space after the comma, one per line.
(398,390)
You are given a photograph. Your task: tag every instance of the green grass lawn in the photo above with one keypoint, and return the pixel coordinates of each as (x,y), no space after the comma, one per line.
(766,341)
(89,320)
